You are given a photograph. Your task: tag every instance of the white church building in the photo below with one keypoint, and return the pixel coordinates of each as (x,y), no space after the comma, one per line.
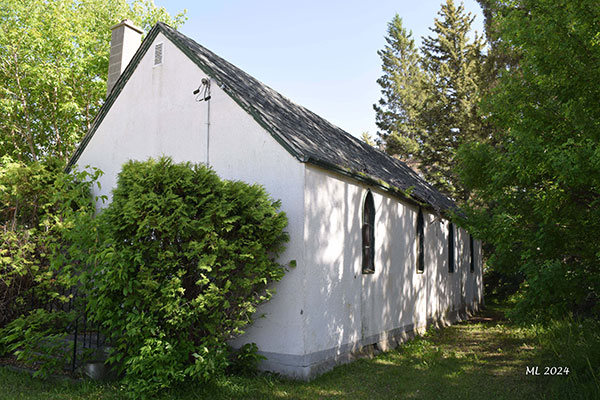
(377,259)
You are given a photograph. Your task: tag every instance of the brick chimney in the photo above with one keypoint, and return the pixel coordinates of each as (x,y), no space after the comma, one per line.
(126,38)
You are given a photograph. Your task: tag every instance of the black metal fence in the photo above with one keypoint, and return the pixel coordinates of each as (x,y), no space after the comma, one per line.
(87,340)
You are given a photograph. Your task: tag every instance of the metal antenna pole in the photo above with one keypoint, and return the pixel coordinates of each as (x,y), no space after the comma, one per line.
(208,127)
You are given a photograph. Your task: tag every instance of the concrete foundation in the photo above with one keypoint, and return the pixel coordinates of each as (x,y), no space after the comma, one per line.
(309,366)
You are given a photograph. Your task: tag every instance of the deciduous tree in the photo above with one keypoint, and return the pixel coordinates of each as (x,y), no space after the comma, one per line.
(541,181)
(53,68)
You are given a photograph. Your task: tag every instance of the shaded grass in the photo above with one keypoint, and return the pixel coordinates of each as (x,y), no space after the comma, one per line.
(485,357)
(21,385)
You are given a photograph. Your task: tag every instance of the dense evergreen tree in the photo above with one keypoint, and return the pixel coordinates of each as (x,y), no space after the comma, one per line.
(452,64)
(403,94)
(429,104)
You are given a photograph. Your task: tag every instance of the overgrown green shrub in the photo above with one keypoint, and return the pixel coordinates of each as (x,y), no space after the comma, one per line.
(186,259)
(45,215)
(245,360)
(38,339)
(536,190)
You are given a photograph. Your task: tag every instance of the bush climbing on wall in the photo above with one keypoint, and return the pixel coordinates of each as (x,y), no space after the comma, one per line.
(186,259)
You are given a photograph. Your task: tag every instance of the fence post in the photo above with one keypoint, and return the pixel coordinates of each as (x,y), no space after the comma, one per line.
(75,346)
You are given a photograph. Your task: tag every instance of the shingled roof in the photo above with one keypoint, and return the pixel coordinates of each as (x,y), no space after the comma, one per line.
(302,133)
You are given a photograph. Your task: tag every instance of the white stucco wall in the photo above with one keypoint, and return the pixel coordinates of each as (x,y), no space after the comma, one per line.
(156,114)
(345,309)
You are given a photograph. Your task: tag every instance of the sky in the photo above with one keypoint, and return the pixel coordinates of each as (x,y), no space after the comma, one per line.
(320,54)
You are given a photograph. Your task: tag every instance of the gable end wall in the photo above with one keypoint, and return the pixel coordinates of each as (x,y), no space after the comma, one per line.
(157,114)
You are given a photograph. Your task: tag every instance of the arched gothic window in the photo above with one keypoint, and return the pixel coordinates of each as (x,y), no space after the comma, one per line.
(450,247)
(472,250)
(420,242)
(368,235)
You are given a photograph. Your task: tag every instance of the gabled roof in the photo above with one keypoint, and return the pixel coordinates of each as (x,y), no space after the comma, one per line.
(302,133)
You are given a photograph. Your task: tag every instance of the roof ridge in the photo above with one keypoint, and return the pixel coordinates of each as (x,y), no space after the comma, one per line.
(315,119)
(262,84)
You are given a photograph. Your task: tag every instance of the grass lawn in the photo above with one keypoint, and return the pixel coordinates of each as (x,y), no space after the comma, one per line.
(484,358)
